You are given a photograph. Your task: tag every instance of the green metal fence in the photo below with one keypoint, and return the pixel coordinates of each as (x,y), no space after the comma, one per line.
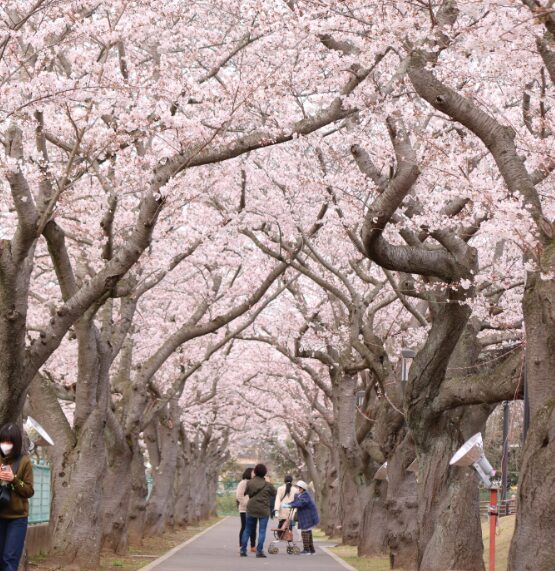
(39,504)
(227,487)
(225,501)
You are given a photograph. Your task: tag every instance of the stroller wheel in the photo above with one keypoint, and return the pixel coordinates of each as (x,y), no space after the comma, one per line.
(296,550)
(273,549)
(289,549)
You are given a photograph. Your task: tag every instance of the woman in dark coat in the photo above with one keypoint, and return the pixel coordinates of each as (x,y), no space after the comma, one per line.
(307,514)
(261,495)
(16,473)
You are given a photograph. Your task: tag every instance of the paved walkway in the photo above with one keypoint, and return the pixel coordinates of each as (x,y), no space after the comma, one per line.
(218,550)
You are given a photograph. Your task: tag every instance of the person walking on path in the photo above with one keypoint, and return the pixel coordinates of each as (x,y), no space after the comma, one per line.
(16,478)
(261,493)
(242,501)
(285,494)
(307,514)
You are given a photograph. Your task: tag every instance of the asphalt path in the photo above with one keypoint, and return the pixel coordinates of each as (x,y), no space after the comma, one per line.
(217,549)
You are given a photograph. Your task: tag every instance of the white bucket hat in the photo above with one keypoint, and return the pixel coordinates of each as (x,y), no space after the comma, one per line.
(301,484)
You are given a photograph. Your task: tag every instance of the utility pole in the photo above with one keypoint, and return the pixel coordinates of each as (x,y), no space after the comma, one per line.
(505,456)
(526,402)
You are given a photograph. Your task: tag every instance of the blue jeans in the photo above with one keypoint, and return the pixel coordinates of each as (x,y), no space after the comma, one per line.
(12,541)
(251,524)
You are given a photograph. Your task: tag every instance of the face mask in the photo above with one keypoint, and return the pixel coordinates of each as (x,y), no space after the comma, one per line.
(6,448)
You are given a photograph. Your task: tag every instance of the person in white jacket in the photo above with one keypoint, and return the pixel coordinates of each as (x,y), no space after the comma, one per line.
(285,494)
(242,501)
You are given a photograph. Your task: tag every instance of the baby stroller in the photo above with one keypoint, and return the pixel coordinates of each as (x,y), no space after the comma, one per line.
(285,533)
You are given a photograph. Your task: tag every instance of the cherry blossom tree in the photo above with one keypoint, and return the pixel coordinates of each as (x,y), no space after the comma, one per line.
(333,181)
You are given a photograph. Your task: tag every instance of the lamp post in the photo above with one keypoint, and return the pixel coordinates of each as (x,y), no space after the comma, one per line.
(360,396)
(505,456)
(526,423)
(407,355)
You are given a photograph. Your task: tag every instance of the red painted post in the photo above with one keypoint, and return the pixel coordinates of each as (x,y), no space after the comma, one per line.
(492,526)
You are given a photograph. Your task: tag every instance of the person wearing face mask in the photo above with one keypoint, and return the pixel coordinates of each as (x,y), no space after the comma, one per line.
(16,472)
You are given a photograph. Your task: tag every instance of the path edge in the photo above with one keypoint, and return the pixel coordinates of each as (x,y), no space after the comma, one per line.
(173,551)
(341,562)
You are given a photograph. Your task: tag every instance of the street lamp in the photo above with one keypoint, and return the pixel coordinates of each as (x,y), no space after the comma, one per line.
(505,454)
(407,355)
(413,467)
(381,473)
(360,396)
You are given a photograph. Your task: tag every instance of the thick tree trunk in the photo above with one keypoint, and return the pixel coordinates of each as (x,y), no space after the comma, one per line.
(211,497)
(402,508)
(450,534)
(328,519)
(373,532)
(14,289)
(163,436)
(184,497)
(75,521)
(138,497)
(389,519)
(351,475)
(533,547)
(116,494)
(449,531)
(77,525)
(328,492)
(351,495)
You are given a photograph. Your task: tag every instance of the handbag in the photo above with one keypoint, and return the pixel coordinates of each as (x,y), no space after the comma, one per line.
(5,495)
(6,488)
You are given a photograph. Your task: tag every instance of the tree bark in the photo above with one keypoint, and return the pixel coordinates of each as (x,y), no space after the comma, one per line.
(14,289)
(116,491)
(402,507)
(449,530)
(450,535)
(351,468)
(373,533)
(138,498)
(161,437)
(76,498)
(532,546)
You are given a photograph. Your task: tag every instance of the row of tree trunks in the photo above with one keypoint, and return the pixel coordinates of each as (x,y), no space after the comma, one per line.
(99,487)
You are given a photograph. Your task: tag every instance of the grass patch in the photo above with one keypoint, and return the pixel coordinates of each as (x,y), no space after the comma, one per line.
(349,554)
(505,532)
(319,534)
(226,505)
(138,555)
